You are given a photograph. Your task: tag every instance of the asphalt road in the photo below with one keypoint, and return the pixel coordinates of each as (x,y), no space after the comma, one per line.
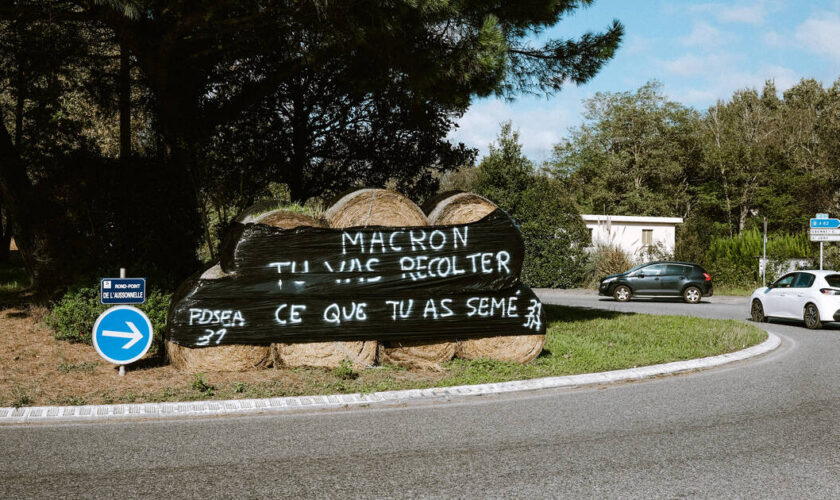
(767,427)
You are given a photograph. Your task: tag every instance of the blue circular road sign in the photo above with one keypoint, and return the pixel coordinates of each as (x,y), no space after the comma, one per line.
(122,334)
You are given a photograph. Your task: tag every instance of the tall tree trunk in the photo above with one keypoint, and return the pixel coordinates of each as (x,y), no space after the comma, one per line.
(5,237)
(300,144)
(742,218)
(38,248)
(179,133)
(125,106)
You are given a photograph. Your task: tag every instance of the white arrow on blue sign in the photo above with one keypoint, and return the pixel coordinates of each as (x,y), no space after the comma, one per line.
(122,334)
(829,223)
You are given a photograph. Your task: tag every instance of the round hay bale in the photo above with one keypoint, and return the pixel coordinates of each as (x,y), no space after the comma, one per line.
(463,208)
(284,219)
(223,358)
(417,353)
(380,207)
(324,354)
(460,208)
(374,207)
(213,273)
(316,354)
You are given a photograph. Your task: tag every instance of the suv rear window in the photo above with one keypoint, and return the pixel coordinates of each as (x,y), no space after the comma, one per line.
(678,270)
(833,280)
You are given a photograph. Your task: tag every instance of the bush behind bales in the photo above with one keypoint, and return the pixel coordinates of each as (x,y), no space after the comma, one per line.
(555,235)
(605,259)
(72,317)
(734,260)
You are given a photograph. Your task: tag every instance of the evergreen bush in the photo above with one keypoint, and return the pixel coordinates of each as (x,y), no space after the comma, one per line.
(555,235)
(734,261)
(72,317)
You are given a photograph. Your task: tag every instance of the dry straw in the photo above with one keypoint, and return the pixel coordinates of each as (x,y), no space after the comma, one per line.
(380,207)
(223,358)
(462,208)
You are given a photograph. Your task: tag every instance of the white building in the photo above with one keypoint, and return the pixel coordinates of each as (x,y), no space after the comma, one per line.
(635,235)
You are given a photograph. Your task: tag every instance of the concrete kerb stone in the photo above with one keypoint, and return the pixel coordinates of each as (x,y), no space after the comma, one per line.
(245,406)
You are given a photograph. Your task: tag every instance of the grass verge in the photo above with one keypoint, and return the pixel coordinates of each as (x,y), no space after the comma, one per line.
(736,290)
(39,370)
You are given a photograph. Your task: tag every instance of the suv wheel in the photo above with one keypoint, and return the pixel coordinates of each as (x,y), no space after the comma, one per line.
(692,295)
(812,317)
(622,293)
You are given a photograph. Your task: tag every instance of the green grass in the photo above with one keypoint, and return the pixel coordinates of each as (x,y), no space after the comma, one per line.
(736,290)
(578,341)
(586,341)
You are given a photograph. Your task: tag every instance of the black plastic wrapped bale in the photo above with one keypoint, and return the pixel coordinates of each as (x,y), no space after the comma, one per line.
(407,285)
(228,358)
(328,354)
(459,208)
(380,207)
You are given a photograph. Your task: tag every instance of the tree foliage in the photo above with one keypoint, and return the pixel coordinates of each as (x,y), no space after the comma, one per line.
(554,233)
(632,154)
(758,154)
(226,97)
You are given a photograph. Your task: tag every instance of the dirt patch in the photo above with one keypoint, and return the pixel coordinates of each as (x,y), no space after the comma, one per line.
(36,369)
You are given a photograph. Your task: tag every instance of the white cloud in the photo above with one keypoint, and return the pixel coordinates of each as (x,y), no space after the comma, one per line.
(775,40)
(694,65)
(722,85)
(705,35)
(821,34)
(636,44)
(750,13)
(541,123)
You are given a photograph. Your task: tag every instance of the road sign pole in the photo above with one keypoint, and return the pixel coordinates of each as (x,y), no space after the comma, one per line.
(821,250)
(122,275)
(764,257)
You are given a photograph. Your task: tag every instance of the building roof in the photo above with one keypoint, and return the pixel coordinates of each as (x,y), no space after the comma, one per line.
(632,218)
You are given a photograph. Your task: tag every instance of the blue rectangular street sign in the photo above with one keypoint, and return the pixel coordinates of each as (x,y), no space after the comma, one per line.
(122,290)
(829,223)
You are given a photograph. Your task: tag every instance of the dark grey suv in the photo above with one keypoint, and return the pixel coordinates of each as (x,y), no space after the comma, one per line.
(659,279)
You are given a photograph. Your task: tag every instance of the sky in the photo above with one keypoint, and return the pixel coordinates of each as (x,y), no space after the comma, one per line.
(700,51)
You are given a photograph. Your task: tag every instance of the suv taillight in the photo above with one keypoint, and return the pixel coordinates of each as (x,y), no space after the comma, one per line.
(707,276)
(829,291)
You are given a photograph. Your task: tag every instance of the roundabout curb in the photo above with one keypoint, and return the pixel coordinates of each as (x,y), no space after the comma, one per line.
(95,413)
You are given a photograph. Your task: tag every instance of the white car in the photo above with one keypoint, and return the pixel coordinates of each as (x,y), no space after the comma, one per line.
(813,296)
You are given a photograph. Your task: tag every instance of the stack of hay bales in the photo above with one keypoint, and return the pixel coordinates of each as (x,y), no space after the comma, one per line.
(222,358)
(315,354)
(380,207)
(248,357)
(463,208)
(365,207)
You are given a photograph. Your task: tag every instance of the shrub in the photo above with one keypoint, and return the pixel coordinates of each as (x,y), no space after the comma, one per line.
(734,260)
(831,258)
(657,251)
(72,317)
(201,385)
(555,235)
(344,370)
(607,258)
